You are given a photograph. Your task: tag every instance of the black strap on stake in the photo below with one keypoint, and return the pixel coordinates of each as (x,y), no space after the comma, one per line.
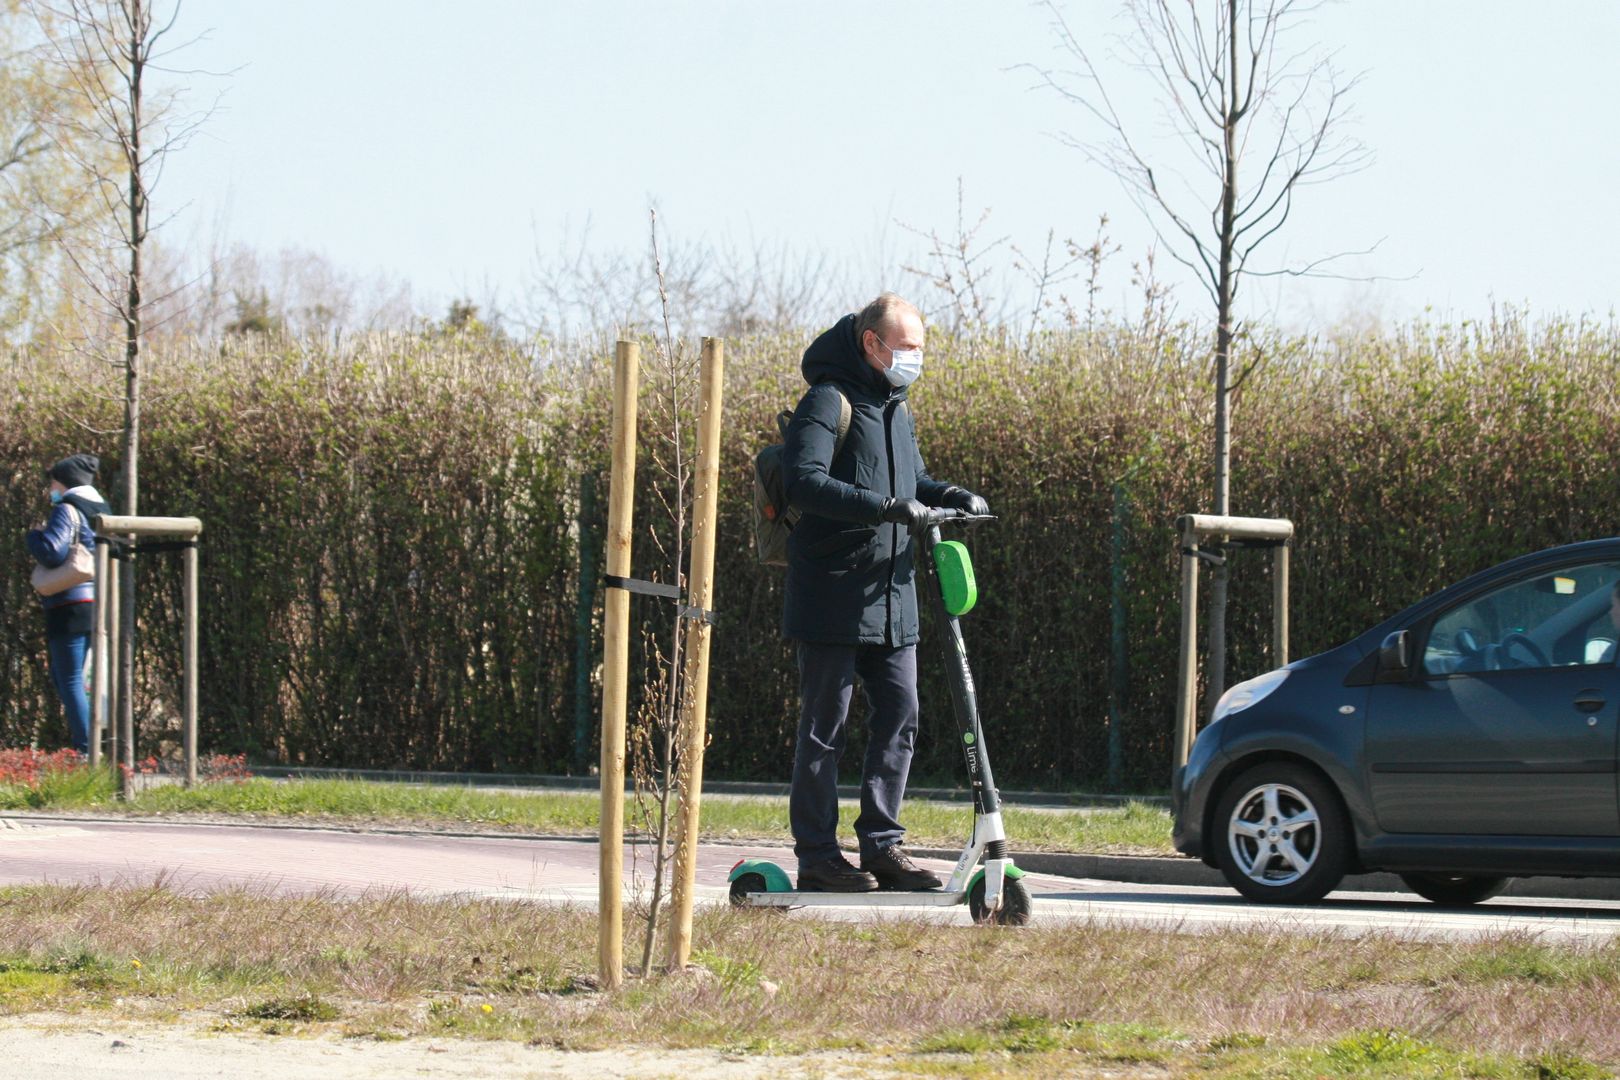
(636,585)
(152,546)
(123,549)
(1215,559)
(663,592)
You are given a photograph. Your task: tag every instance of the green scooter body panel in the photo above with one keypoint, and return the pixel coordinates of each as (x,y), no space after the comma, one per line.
(956,576)
(776,879)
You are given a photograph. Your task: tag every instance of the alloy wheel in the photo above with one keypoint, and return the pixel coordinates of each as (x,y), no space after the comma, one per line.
(1274,834)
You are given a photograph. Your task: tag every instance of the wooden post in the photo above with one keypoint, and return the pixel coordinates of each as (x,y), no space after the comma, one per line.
(113,572)
(126,671)
(190,704)
(99,666)
(1279,606)
(694,721)
(1187,668)
(616,668)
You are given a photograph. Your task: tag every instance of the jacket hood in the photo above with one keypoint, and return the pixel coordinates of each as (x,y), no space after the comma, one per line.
(88,494)
(835,354)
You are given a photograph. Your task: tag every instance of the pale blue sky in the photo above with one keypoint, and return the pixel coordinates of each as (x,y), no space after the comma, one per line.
(433,140)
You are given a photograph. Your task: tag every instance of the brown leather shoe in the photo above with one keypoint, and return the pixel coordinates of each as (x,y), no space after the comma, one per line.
(894,869)
(835,875)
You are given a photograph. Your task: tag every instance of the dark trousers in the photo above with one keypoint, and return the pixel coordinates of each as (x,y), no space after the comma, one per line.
(827,675)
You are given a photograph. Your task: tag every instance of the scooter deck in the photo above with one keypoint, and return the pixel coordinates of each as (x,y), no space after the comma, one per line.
(877,898)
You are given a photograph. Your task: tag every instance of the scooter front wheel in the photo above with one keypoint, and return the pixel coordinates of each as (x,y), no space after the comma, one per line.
(1015,904)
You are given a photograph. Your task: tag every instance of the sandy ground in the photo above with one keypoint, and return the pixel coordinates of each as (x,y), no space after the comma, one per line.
(41,1048)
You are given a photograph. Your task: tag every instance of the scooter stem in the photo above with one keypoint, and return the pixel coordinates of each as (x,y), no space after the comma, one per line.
(964,697)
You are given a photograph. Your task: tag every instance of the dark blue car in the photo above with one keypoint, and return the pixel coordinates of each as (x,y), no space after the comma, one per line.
(1468,740)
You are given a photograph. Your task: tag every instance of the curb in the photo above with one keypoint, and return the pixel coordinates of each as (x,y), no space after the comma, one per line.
(1184,872)
(1046,799)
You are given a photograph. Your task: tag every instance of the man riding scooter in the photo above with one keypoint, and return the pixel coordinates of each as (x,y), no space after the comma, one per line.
(851,600)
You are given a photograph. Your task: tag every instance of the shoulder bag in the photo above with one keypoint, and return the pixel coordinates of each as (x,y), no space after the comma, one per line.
(78,568)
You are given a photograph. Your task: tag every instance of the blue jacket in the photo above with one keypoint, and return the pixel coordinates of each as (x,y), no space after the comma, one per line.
(851,578)
(50,546)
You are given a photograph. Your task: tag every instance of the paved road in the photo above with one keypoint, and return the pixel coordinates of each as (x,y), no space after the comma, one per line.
(202,858)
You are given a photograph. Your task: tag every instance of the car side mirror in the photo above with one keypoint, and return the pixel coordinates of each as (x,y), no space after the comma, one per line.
(1395,657)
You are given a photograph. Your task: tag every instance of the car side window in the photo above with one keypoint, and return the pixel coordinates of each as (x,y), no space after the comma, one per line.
(1554,618)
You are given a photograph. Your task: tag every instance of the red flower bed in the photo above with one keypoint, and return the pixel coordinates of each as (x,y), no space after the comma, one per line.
(211,768)
(216,767)
(26,767)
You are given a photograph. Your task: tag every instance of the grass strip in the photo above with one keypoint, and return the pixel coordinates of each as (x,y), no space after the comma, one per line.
(1136,828)
(914,997)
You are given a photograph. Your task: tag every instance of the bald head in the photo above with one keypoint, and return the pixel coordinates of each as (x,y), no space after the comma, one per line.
(888,323)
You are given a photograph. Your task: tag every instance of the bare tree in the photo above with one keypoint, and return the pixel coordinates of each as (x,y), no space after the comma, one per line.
(1228,89)
(657,733)
(118,135)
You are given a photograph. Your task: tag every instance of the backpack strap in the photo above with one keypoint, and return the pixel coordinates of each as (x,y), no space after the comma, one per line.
(845,415)
(79,519)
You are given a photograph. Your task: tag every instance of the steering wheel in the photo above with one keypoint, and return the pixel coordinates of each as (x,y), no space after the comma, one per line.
(1528,645)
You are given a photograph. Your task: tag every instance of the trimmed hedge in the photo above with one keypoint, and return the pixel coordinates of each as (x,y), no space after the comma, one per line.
(390,561)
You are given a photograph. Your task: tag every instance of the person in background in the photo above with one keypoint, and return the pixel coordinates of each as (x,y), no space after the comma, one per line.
(70,615)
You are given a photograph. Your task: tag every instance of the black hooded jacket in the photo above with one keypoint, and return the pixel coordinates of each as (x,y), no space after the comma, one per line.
(851,578)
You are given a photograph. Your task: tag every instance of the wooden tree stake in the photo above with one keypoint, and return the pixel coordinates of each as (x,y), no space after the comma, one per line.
(694,723)
(616,667)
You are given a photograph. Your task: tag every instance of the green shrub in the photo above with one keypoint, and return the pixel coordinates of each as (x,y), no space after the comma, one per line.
(391,554)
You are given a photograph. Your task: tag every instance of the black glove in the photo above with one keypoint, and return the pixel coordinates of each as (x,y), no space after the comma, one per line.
(963,499)
(908,512)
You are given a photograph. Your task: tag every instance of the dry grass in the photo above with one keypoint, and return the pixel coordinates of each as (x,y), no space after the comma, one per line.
(923,997)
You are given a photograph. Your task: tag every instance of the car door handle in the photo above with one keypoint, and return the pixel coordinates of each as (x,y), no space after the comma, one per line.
(1589,701)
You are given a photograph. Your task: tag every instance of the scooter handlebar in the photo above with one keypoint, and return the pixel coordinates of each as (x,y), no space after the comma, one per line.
(950,515)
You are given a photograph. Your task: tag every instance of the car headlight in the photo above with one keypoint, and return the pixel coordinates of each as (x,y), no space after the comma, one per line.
(1248,693)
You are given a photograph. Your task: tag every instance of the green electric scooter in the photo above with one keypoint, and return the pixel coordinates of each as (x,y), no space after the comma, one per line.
(984,878)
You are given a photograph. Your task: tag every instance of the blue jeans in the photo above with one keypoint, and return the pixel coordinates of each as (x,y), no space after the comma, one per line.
(827,677)
(67,653)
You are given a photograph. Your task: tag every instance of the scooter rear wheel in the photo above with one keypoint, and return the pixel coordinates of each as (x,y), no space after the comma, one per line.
(745,884)
(1015,907)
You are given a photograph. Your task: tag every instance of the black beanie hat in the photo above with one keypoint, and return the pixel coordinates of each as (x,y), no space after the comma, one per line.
(75,471)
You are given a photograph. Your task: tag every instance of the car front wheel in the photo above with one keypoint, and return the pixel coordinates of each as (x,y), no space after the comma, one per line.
(1284,837)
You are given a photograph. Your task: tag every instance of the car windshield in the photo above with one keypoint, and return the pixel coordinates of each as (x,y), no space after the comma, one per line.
(1553,619)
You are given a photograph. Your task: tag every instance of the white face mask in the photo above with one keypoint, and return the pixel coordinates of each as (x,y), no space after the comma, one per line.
(904,366)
